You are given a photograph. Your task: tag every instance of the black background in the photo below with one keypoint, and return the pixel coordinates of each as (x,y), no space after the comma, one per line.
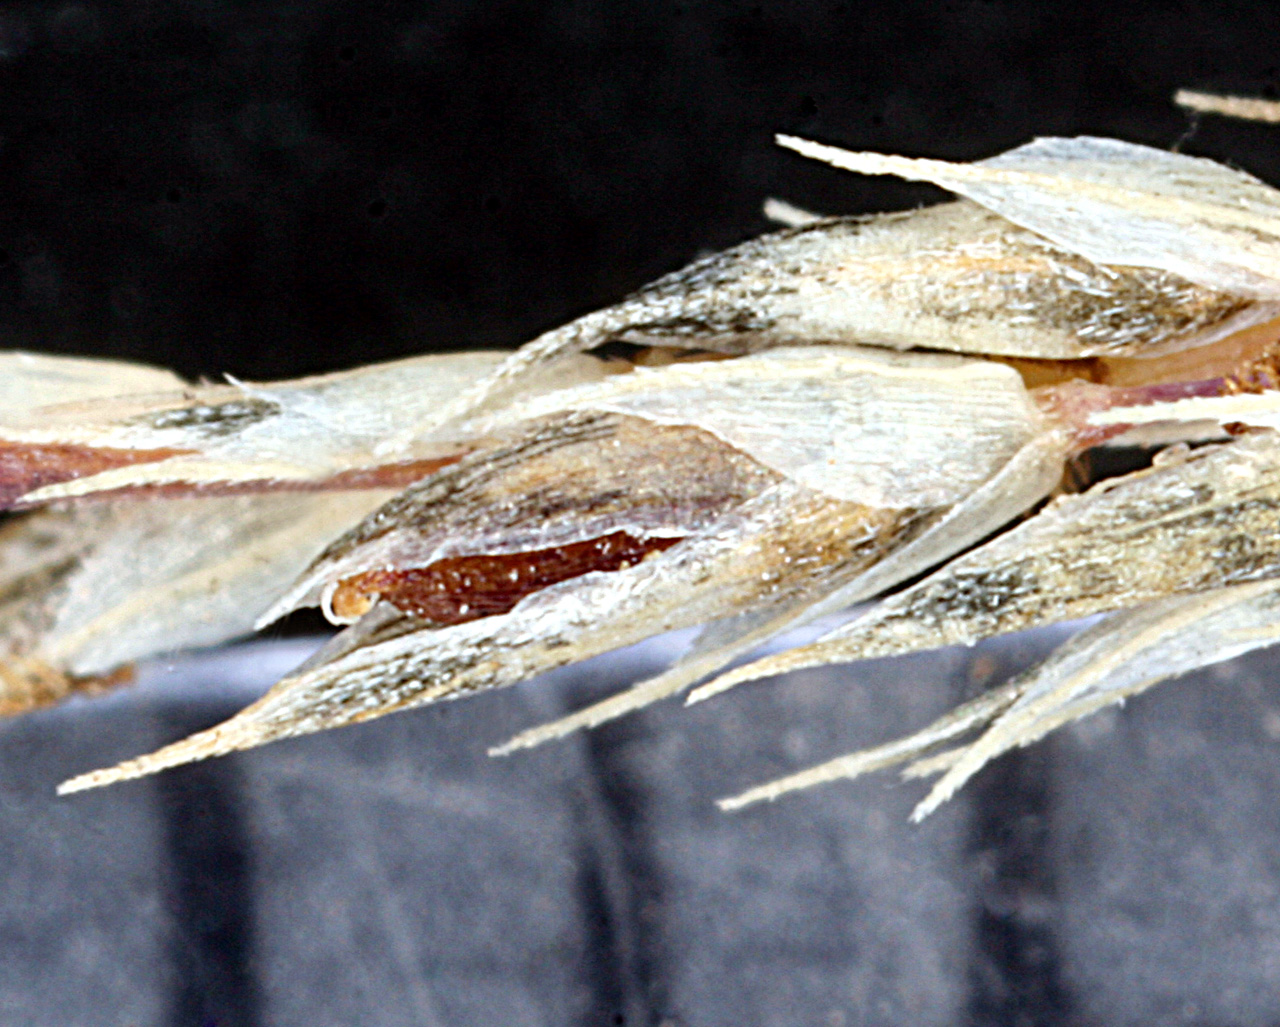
(276,188)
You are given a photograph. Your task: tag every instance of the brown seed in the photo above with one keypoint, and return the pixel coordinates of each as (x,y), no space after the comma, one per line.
(465,588)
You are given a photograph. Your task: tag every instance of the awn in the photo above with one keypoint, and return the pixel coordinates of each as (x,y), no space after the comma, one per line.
(772,434)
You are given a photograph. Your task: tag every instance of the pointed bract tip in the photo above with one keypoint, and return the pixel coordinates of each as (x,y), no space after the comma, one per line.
(216,741)
(747,672)
(510,745)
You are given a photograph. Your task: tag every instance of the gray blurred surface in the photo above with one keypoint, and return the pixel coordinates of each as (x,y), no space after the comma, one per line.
(1124,872)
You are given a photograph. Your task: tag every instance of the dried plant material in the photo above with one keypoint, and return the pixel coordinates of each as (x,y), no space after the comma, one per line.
(1027,478)
(581,500)
(788,214)
(1107,663)
(674,453)
(786,540)
(321,431)
(1246,108)
(1188,525)
(882,428)
(30,684)
(1256,410)
(601,474)
(87,590)
(956,723)
(1060,266)
(29,380)
(1118,658)
(1114,203)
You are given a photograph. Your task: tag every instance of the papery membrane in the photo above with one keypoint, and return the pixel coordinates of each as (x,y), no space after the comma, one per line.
(1202,521)
(300,432)
(788,539)
(864,425)
(1114,203)
(86,589)
(1106,663)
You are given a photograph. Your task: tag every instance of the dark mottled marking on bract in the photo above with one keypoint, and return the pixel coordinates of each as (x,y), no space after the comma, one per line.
(215,419)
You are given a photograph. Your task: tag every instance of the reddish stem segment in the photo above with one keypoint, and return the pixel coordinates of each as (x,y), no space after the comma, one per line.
(1073,402)
(386,476)
(25,467)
